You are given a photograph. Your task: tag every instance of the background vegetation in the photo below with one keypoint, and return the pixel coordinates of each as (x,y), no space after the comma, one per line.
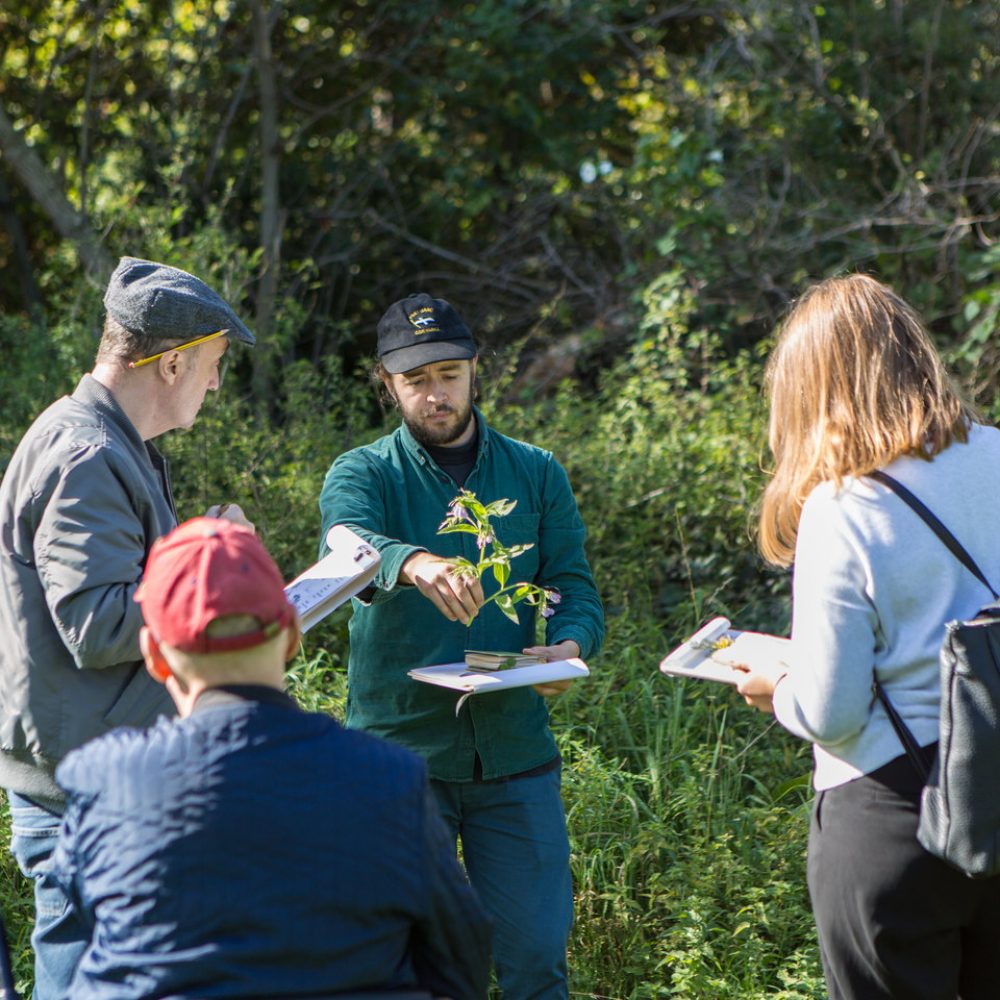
(621,197)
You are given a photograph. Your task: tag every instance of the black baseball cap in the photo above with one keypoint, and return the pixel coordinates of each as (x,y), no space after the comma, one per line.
(420,330)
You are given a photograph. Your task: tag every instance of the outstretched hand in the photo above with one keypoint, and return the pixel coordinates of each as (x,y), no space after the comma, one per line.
(456,595)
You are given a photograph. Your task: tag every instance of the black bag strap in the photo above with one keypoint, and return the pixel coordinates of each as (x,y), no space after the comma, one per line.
(930,519)
(913,749)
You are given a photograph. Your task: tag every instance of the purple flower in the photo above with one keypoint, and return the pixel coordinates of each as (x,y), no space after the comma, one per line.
(458,512)
(548,612)
(553,595)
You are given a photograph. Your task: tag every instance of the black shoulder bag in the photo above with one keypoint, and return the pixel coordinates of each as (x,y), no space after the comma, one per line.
(960,803)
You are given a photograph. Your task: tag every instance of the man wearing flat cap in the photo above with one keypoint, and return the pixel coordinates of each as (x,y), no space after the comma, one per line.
(494,767)
(344,881)
(85,496)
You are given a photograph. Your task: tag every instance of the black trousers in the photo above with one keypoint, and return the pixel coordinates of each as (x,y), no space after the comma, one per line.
(895,922)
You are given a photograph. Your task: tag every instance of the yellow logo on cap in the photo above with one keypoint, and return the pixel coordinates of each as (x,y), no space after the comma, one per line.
(422,320)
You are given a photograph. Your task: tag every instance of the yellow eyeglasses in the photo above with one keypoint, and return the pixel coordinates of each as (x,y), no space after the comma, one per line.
(182,347)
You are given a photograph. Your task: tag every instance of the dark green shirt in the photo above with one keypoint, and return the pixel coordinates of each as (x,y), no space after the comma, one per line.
(392,494)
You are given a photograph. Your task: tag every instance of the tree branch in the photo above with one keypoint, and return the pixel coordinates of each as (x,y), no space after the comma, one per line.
(72,225)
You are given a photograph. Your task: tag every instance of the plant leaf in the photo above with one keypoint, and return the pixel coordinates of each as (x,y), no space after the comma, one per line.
(450,529)
(500,508)
(500,550)
(466,568)
(506,605)
(475,508)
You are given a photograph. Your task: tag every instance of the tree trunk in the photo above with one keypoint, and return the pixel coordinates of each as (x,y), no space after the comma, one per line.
(12,222)
(29,169)
(271,216)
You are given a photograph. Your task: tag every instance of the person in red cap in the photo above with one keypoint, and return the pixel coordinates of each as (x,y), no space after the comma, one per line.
(248,848)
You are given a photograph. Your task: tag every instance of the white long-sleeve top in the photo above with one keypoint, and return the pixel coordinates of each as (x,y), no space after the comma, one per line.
(873,588)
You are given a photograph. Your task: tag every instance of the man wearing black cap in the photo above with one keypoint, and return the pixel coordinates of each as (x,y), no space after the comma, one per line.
(494,767)
(82,501)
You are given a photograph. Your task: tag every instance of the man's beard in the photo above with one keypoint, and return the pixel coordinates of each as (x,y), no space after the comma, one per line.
(444,434)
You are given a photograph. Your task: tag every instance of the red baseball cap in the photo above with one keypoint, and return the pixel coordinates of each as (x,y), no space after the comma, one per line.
(204,569)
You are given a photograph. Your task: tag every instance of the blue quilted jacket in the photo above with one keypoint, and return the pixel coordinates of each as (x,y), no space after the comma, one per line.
(255,850)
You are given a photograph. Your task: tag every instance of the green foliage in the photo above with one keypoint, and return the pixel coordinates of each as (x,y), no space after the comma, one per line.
(39,366)
(541,162)
(688,859)
(977,351)
(665,459)
(318,682)
(274,470)
(17,909)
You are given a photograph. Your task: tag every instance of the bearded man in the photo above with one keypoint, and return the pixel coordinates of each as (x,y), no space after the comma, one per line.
(494,767)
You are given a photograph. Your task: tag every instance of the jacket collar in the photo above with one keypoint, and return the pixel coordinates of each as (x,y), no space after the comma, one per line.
(238,694)
(91,393)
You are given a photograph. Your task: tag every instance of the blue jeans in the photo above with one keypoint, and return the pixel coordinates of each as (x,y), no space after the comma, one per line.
(516,852)
(59,937)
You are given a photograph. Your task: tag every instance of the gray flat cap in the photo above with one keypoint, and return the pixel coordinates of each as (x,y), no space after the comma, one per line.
(156,300)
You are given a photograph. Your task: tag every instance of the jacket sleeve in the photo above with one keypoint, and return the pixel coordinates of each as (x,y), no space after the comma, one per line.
(563,565)
(826,697)
(450,946)
(90,549)
(351,496)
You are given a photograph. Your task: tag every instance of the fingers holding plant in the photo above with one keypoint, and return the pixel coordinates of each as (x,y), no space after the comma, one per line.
(450,588)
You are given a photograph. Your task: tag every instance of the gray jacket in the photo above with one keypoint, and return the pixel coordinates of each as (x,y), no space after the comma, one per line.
(81,503)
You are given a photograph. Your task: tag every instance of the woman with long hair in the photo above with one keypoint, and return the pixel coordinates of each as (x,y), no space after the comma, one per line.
(856,385)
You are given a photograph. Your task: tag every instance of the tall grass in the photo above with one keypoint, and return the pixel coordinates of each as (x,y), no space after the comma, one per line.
(688,846)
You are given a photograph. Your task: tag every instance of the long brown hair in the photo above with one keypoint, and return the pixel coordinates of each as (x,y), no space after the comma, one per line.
(854,382)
